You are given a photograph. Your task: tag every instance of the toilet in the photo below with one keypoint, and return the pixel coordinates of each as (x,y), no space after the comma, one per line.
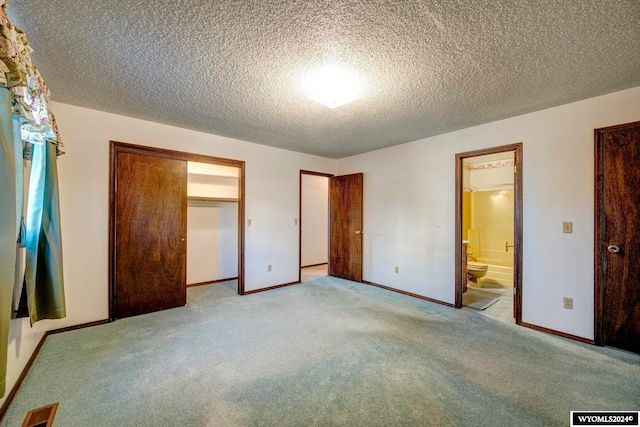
(475,271)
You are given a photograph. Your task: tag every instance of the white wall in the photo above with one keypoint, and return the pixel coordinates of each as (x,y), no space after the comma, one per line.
(491,179)
(315,219)
(23,340)
(212,241)
(206,185)
(409,207)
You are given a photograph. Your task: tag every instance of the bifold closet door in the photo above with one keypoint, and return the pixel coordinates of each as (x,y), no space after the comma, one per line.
(150,233)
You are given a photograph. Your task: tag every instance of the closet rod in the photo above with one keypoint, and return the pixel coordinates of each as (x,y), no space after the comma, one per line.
(211,199)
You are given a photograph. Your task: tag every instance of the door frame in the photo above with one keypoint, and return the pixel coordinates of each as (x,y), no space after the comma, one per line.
(517,232)
(599,229)
(308,172)
(123,147)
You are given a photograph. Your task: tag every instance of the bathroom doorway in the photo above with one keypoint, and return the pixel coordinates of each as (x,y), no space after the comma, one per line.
(489,231)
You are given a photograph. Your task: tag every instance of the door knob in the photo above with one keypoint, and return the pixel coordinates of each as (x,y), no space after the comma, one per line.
(358,232)
(613,249)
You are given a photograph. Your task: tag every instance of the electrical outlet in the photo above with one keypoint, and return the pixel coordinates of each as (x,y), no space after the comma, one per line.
(567,303)
(397,269)
(567,227)
(269,268)
(249,222)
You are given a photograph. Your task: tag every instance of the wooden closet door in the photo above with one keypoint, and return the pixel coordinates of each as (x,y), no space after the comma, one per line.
(150,234)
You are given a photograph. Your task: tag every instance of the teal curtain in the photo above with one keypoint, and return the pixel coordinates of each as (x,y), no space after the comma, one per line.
(43,276)
(26,118)
(11,196)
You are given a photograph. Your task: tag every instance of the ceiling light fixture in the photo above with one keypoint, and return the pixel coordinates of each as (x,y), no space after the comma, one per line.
(332,86)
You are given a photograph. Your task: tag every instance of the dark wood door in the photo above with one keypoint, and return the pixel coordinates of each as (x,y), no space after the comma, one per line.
(150,233)
(618,226)
(345,227)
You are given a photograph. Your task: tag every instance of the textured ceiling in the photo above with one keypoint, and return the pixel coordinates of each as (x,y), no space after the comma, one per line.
(234,68)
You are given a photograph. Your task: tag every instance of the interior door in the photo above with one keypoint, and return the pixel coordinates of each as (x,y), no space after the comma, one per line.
(345,227)
(618,226)
(150,232)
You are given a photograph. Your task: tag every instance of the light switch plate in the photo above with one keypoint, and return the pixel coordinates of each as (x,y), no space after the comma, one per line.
(567,303)
(248,222)
(567,227)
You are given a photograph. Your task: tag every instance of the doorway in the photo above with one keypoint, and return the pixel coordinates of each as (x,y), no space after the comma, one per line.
(345,225)
(314,225)
(148,227)
(617,236)
(488,266)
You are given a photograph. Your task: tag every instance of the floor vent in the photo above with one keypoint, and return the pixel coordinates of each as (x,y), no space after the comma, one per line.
(41,417)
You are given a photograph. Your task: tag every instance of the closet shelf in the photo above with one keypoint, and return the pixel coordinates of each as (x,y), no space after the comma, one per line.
(211,199)
(211,175)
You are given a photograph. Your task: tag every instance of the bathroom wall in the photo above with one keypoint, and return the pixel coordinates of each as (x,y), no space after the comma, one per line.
(493,224)
(491,208)
(466,177)
(466,214)
(491,177)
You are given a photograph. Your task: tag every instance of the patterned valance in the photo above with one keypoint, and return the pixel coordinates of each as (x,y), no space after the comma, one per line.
(30,93)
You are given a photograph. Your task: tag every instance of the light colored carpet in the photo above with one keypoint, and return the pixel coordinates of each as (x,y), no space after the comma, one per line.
(479,299)
(312,273)
(324,353)
(195,292)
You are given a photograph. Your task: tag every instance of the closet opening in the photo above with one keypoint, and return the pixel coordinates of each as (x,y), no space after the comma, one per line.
(212,228)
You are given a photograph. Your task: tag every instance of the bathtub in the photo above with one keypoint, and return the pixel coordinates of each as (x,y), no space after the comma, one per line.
(497,273)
